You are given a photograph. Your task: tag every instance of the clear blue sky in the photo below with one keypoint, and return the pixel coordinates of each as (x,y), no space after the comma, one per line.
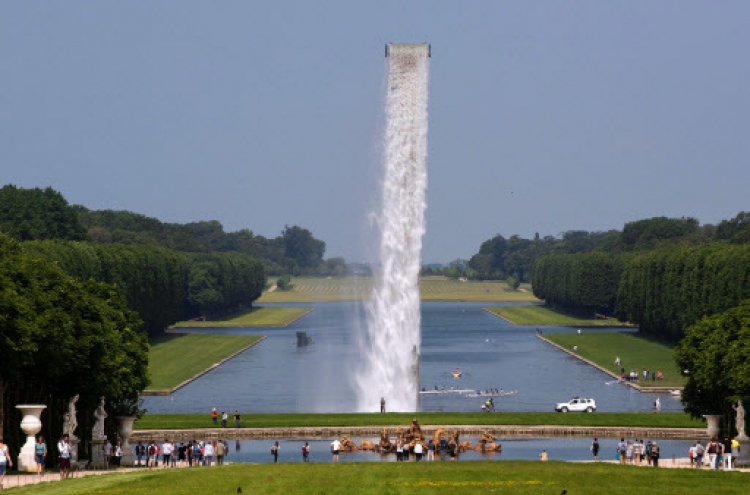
(544,116)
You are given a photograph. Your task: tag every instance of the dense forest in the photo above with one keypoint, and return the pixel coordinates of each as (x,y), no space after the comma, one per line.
(661,274)
(167,272)
(500,258)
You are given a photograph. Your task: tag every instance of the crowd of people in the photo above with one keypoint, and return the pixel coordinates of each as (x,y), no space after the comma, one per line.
(191,454)
(718,454)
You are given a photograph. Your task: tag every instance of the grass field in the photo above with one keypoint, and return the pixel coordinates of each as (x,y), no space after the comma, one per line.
(256,317)
(196,421)
(432,289)
(635,352)
(542,315)
(377,478)
(175,358)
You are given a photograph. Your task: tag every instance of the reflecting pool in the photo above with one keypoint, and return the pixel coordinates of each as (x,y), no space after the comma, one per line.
(278,376)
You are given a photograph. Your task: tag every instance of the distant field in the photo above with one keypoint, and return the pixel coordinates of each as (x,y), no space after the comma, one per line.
(432,289)
(541,315)
(257,317)
(176,358)
(635,352)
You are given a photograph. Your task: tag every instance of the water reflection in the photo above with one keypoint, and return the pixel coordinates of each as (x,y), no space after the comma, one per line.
(558,449)
(277,376)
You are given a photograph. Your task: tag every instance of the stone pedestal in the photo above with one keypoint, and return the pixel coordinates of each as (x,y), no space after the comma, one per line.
(31,425)
(98,457)
(713,425)
(744,457)
(125,431)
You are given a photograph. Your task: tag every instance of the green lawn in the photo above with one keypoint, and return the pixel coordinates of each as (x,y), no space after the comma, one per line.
(542,315)
(249,420)
(433,478)
(175,358)
(635,352)
(264,316)
(432,289)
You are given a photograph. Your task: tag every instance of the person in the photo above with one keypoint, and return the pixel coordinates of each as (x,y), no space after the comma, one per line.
(727,450)
(579,332)
(117,458)
(595,449)
(166,453)
(181,454)
(713,453)
(40,454)
(140,451)
(382,405)
(237,419)
(622,448)
(617,360)
(575,348)
(399,450)
(543,456)
(418,451)
(275,452)
(107,453)
(638,450)
(5,460)
(691,455)
(306,452)
(208,454)
(629,453)
(452,450)
(153,455)
(735,450)
(647,450)
(221,449)
(430,450)
(699,451)
(405,454)
(655,454)
(335,446)
(214,416)
(63,447)
(224,418)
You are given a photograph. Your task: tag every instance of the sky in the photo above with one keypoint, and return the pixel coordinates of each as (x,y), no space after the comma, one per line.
(544,116)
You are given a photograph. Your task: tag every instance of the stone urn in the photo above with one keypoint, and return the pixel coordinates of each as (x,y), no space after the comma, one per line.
(713,428)
(31,425)
(125,431)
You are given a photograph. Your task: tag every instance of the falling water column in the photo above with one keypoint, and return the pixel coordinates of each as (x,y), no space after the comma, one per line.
(390,350)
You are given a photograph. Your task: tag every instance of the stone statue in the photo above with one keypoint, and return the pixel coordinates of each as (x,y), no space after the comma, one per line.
(70,422)
(100,414)
(740,421)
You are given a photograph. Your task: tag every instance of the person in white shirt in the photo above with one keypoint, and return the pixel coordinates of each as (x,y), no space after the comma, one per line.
(166,453)
(418,451)
(63,446)
(208,454)
(335,446)
(5,460)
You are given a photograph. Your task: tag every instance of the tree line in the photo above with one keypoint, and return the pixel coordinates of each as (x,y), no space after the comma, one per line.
(663,291)
(500,258)
(61,336)
(163,286)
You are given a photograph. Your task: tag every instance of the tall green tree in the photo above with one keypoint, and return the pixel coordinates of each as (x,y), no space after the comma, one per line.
(716,354)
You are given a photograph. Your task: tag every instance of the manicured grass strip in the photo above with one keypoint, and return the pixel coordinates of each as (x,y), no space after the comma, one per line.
(257,317)
(249,420)
(308,289)
(423,478)
(175,358)
(635,352)
(542,315)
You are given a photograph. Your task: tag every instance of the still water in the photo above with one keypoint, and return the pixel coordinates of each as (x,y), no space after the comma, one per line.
(558,449)
(278,376)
